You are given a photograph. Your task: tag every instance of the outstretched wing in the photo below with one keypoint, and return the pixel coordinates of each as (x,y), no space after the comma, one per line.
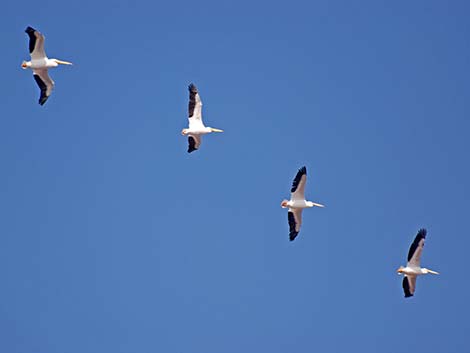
(194,141)
(194,108)
(36,44)
(294,217)
(45,84)
(416,249)
(298,185)
(409,285)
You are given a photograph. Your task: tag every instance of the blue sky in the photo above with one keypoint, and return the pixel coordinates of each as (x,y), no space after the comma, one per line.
(106,247)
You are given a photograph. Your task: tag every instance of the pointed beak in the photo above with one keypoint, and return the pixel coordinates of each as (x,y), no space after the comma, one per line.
(216,130)
(63,62)
(318,204)
(433,272)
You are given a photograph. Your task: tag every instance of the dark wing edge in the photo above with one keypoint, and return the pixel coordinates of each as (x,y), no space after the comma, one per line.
(43,87)
(295,184)
(420,236)
(292,232)
(191,144)
(32,38)
(192,99)
(406,287)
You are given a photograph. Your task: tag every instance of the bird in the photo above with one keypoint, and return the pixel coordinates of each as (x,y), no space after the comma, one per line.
(297,203)
(40,63)
(196,126)
(413,268)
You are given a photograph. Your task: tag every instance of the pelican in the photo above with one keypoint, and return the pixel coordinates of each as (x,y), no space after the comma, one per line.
(297,203)
(40,63)
(196,126)
(413,268)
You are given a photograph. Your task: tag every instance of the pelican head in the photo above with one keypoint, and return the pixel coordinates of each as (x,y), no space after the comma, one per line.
(57,61)
(400,269)
(215,130)
(184,132)
(24,65)
(284,204)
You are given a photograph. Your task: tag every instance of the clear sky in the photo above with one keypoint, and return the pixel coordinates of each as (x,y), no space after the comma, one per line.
(115,240)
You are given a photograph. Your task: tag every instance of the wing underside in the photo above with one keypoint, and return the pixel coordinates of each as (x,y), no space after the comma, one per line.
(294,217)
(194,141)
(298,185)
(416,249)
(45,84)
(409,285)
(195,103)
(36,44)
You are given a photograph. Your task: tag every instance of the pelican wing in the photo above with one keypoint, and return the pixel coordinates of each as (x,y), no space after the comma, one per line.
(294,217)
(194,108)
(36,44)
(194,141)
(45,84)
(409,285)
(416,249)
(298,185)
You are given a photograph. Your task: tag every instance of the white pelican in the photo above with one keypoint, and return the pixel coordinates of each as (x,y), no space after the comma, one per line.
(196,126)
(40,63)
(413,268)
(297,203)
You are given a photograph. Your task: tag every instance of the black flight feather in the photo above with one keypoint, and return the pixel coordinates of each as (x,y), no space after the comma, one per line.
(43,97)
(192,99)
(406,287)
(302,171)
(292,232)
(191,144)
(32,38)
(421,235)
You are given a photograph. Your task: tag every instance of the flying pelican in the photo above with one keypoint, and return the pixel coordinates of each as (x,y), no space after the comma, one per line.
(297,203)
(40,63)
(196,126)
(413,269)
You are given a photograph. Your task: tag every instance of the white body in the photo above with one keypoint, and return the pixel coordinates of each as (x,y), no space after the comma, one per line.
(413,267)
(415,271)
(300,204)
(297,203)
(40,63)
(196,127)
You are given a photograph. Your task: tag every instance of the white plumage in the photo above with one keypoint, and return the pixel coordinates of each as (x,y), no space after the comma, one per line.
(40,63)
(196,126)
(297,203)
(413,267)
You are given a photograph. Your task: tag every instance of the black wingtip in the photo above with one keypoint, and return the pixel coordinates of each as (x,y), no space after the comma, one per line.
(29,30)
(300,173)
(43,97)
(192,88)
(292,231)
(406,287)
(422,233)
(191,144)
(293,235)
